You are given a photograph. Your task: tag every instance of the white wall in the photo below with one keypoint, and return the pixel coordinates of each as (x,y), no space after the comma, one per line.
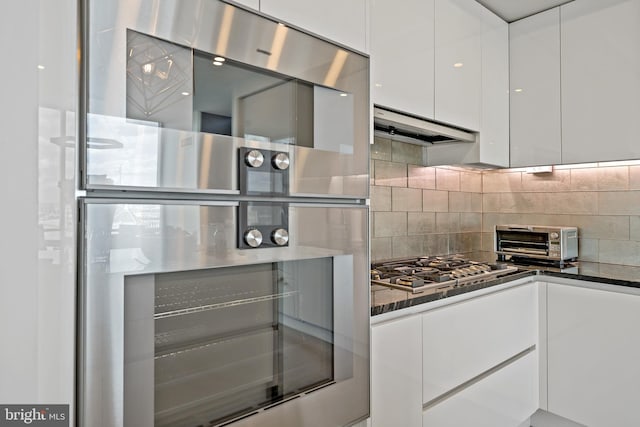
(38,214)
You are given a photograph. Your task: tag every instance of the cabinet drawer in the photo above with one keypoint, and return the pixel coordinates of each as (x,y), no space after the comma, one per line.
(463,340)
(505,398)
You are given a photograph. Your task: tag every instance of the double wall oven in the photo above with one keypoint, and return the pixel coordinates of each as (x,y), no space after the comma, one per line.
(224,221)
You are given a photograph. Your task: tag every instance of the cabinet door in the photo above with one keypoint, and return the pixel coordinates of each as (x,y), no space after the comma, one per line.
(494,124)
(461,341)
(402,55)
(253,4)
(396,373)
(600,80)
(505,398)
(593,353)
(458,43)
(342,21)
(534,46)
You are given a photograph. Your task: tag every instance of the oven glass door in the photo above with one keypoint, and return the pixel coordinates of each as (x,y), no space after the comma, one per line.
(170,103)
(180,327)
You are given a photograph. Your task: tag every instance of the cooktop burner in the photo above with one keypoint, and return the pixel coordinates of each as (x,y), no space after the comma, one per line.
(435,274)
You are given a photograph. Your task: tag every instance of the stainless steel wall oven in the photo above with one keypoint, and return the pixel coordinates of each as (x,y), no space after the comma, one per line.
(224,228)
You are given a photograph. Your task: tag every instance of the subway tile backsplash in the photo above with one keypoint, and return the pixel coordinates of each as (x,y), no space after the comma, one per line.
(419,210)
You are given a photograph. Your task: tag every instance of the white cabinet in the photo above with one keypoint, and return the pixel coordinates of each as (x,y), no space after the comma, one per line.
(458,56)
(461,341)
(396,373)
(402,57)
(600,80)
(494,121)
(535,90)
(342,21)
(253,4)
(505,398)
(593,353)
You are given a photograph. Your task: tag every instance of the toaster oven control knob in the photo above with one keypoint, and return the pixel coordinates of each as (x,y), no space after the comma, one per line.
(253,237)
(280,161)
(280,236)
(254,158)
(554,236)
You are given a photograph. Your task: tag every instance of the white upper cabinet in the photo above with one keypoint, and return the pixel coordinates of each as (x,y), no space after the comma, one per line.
(402,67)
(458,56)
(253,4)
(535,90)
(600,80)
(342,21)
(494,122)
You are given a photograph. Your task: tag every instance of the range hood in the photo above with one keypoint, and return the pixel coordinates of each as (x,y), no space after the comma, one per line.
(402,127)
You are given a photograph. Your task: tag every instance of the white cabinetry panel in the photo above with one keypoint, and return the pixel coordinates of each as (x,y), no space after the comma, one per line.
(402,56)
(593,354)
(396,373)
(505,398)
(342,21)
(494,124)
(253,4)
(461,341)
(535,90)
(458,44)
(600,80)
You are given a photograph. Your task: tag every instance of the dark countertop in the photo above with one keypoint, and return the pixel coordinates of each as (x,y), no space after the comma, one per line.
(384,300)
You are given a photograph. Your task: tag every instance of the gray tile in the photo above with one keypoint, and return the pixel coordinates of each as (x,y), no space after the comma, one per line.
(487,242)
(569,203)
(447,179)
(435,201)
(380,248)
(421,177)
(380,198)
(634,227)
(465,202)
(390,174)
(611,227)
(634,177)
(471,222)
(559,180)
(500,181)
(490,220)
(421,222)
(413,154)
(613,178)
(491,202)
(465,242)
(588,250)
(381,148)
(406,199)
(471,182)
(584,179)
(626,252)
(430,244)
(619,203)
(388,224)
(447,222)
(436,244)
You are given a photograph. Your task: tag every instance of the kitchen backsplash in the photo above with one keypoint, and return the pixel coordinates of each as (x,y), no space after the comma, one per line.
(418,210)
(602,200)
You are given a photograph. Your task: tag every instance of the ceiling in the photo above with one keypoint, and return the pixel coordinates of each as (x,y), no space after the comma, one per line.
(512,10)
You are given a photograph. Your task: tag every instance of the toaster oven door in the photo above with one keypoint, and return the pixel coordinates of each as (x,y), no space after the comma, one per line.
(522,243)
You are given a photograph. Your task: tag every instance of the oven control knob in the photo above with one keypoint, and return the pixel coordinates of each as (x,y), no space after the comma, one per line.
(554,236)
(253,237)
(280,161)
(280,236)
(254,158)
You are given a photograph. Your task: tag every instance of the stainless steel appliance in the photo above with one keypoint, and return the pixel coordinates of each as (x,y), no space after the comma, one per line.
(534,242)
(432,274)
(224,221)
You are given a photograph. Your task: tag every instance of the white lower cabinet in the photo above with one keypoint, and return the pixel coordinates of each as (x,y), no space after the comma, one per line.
(593,354)
(396,373)
(505,398)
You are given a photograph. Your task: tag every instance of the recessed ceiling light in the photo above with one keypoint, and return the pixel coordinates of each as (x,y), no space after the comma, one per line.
(378,85)
(518,90)
(458,64)
(281,24)
(186,93)
(219,59)
(40,67)
(343,94)
(217,63)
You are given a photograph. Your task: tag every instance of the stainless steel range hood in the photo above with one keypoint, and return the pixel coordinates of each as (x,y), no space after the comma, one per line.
(402,127)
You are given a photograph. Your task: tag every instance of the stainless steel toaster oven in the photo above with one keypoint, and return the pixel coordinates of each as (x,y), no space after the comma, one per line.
(547,243)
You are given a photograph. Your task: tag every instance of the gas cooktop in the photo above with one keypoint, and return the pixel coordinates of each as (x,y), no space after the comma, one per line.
(431,274)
